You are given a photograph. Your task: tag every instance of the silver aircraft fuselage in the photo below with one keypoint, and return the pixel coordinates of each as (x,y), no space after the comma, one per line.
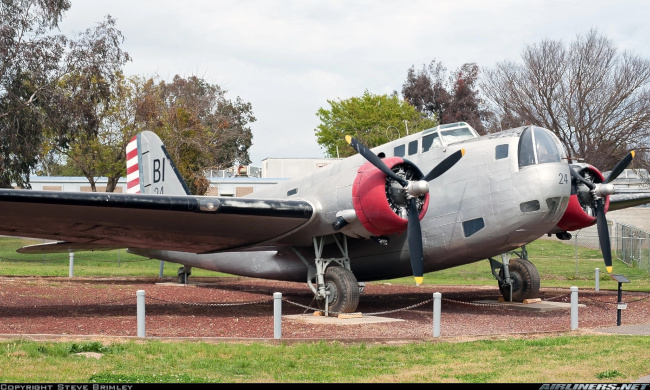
(489,203)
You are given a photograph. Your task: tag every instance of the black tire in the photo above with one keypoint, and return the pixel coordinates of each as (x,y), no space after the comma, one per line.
(525,278)
(183,276)
(343,288)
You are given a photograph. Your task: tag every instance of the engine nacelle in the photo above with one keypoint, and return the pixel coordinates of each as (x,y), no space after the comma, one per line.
(581,211)
(381,203)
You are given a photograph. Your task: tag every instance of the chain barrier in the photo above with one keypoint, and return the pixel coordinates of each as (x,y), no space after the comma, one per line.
(557,297)
(116,301)
(396,310)
(211,304)
(475,303)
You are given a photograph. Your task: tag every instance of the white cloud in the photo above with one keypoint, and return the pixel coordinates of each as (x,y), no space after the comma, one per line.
(289,57)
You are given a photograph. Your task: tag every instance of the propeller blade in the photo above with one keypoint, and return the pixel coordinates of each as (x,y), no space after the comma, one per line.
(603,235)
(374,160)
(581,179)
(444,165)
(620,167)
(415,241)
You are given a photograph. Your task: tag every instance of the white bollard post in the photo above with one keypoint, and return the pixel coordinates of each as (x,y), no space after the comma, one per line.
(71,265)
(436,314)
(140,312)
(162,268)
(574,308)
(597,279)
(277,315)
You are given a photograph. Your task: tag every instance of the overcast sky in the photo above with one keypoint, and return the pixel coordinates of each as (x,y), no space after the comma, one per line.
(288,58)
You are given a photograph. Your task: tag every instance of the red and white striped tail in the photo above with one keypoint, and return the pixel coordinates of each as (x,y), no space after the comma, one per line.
(132,168)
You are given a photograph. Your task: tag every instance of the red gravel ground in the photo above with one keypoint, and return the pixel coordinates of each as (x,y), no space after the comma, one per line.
(243,308)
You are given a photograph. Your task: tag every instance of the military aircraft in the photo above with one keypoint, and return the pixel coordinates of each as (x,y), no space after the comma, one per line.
(429,201)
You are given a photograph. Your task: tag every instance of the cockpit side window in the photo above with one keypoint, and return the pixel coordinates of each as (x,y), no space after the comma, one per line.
(430,140)
(537,146)
(526,151)
(546,149)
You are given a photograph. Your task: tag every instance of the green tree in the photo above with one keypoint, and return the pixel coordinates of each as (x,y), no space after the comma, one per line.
(200,127)
(32,64)
(104,154)
(372,119)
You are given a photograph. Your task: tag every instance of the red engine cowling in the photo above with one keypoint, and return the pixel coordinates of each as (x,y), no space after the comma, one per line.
(379,202)
(580,212)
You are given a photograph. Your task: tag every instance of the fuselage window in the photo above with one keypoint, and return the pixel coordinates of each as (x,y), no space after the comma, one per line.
(413,147)
(292,192)
(501,151)
(399,151)
(531,205)
(472,226)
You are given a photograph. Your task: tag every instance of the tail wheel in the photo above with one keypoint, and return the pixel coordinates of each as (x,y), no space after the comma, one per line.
(525,280)
(343,290)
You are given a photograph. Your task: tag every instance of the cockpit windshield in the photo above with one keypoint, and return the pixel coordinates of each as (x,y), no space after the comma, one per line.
(456,135)
(446,134)
(538,146)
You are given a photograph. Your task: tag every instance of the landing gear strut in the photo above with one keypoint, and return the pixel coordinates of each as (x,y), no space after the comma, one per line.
(518,278)
(337,289)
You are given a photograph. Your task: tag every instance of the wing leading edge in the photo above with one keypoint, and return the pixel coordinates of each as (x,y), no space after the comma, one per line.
(194,224)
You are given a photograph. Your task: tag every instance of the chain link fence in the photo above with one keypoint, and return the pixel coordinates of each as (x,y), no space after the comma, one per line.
(630,244)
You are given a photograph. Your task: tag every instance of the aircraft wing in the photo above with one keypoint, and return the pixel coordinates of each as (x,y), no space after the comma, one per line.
(196,224)
(623,200)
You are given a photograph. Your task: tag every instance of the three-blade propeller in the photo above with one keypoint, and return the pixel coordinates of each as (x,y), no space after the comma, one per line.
(412,189)
(597,192)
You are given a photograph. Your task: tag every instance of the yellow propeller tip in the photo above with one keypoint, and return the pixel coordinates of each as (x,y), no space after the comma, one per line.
(418,280)
(609,270)
(632,152)
(462,152)
(348,139)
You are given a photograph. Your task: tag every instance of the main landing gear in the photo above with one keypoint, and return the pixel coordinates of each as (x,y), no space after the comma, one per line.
(518,278)
(337,289)
(183,274)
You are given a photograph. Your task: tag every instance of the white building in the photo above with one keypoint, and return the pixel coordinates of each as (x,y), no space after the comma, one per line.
(236,181)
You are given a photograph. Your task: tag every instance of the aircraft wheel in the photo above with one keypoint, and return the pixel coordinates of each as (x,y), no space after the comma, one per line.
(343,288)
(525,280)
(183,275)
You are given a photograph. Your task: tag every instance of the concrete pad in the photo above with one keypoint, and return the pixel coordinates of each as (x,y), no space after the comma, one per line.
(535,306)
(312,319)
(188,284)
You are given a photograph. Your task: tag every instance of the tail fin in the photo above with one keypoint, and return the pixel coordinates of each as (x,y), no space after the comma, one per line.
(149,169)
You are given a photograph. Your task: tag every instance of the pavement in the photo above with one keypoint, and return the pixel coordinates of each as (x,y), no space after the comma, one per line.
(635,216)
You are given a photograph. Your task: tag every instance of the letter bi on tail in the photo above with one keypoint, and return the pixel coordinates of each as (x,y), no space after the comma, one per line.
(149,169)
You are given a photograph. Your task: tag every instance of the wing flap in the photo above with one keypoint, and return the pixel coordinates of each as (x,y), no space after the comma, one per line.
(184,223)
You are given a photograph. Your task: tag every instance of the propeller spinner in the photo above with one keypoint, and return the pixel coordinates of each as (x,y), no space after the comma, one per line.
(412,190)
(597,192)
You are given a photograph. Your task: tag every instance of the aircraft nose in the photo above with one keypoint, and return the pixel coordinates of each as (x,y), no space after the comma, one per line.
(543,197)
